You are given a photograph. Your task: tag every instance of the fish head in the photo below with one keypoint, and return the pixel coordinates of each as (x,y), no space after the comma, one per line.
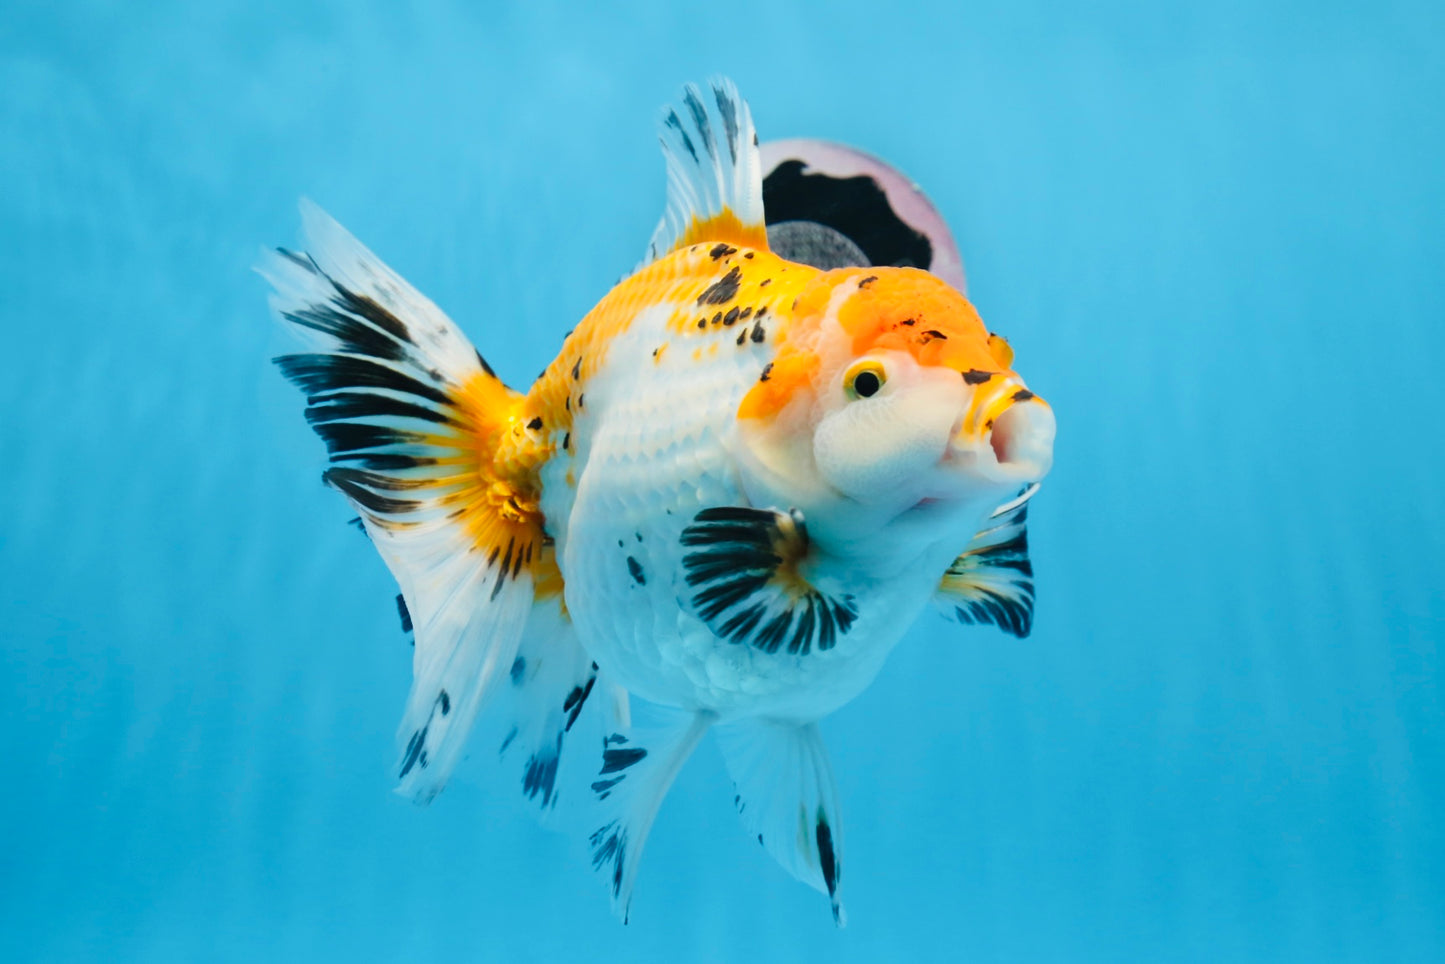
(889,394)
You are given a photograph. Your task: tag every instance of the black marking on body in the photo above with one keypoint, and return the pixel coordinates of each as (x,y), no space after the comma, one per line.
(742,336)
(865,282)
(1023,395)
(767,372)
(635,569)
(731,318)
(760,334)
(567,442)
(723,290)
(931,334)
(535,423)
(721,250)
(765,282)
(735,568)
(975,376)
(403,613)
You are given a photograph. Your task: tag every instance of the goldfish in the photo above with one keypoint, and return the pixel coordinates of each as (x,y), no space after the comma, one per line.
(724,502)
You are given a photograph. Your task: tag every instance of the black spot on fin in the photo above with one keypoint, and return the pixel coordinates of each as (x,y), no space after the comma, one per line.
(614,761)
(403,613)
(609,845)
(827,860)
(540,776)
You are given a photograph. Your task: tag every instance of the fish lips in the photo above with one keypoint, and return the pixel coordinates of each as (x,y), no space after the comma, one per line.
(1006,440)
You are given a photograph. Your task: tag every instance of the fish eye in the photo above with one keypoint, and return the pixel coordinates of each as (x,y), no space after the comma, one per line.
(864,380)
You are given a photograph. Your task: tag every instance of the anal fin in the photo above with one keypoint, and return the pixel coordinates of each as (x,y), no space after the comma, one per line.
(787,799)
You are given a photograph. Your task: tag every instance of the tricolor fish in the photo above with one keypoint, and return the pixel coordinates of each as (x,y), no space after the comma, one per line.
(731,493)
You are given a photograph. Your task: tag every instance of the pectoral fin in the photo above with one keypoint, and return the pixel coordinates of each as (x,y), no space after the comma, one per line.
(992,580)
(743,568)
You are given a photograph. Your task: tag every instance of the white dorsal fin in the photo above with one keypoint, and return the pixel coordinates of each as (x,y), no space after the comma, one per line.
(714,175)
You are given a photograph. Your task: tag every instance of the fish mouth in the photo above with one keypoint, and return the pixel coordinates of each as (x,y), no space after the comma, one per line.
(1005,435)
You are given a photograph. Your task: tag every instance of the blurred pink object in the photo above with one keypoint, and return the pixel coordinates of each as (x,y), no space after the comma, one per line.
(830,205)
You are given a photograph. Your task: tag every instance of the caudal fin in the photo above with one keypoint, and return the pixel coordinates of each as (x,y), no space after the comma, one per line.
(413,418)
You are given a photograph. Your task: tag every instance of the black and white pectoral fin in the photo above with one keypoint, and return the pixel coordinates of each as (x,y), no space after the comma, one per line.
(743,567)
(387,382)
(787,799)
(636,770)
(992,580)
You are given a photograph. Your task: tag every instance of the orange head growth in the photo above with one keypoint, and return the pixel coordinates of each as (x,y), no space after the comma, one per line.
(889,391)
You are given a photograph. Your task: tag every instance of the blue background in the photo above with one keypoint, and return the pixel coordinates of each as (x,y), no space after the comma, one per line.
(1214,233)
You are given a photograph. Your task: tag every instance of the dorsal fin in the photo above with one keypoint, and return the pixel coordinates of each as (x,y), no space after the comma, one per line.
(714,175)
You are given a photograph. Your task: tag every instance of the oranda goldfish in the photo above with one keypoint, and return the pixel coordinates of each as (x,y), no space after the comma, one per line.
(731,493)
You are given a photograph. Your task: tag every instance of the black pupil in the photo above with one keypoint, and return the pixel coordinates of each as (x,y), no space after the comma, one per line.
(866,384)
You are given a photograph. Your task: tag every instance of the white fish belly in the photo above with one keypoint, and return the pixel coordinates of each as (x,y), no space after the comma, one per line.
(652,448)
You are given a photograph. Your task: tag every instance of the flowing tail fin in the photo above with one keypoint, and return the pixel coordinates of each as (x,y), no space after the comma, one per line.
(416,424)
